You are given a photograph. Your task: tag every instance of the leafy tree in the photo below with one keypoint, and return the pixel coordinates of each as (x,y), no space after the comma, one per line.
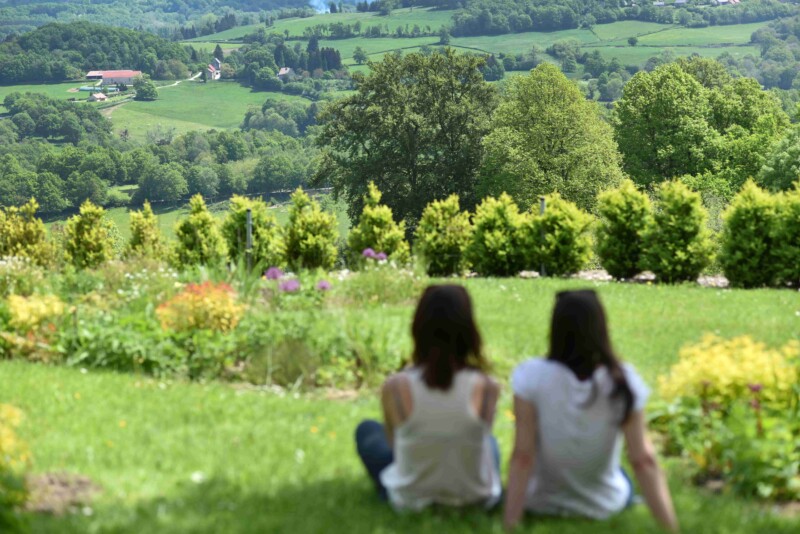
(145,241)
(50,192)
(145,89)
(24,123)
(165,183)
(199,241)
(787,237)
(71,128)
(782,166)
(414,127)
(310,235)
(81,186)
(360,56)
(633,41)
(625,214)
(22,234)
(376,229)
(203,180)
(547,137)
(442,237)
(444,36)
(89,237)
(269,249)
(219,53)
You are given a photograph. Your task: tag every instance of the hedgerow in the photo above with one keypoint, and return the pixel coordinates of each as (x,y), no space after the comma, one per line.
(442,237)
(625,213)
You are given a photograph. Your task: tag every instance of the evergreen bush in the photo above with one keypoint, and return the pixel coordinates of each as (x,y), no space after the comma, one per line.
(22,234)
(496,247)
(310,235)
(677,244)
(89,238)
(751,223)
(786,242)
(442,237)
(199,241)
(145,241)
(269,249)
(559,239)
(376,229)
(625,213)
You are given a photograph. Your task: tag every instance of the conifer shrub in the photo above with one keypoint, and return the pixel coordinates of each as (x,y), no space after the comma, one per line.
(786,242)
(22,234)
(497,244)
(89,237)
(559,239)
(624,213)
(269,249)
(442,237)
(310,235)
(145,241)
(199,241)
(377,230)
(750,225)
(677,244)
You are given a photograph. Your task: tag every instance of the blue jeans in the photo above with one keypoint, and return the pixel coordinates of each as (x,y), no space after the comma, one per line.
(631,493)
(376,453)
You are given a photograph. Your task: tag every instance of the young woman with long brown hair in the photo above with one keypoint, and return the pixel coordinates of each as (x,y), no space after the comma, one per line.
(436,446)
(572,410)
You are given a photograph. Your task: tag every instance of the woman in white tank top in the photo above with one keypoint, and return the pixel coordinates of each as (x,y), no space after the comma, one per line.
(436,446)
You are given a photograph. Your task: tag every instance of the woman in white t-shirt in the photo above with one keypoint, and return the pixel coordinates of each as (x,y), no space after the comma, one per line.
(437,446)
(572,410)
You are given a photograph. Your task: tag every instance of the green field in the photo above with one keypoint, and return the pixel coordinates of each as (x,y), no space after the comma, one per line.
(53,90)
(170,456)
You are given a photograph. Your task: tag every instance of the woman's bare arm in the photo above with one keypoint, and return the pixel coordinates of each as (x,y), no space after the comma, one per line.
(652,481)
(522,461)
(396,403)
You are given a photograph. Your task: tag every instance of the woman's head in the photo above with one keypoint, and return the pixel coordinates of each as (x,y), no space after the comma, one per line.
(446,337)
(579,339)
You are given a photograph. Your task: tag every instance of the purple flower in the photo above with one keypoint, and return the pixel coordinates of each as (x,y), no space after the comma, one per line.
(290,286)
(381,256)
(273,273)
(369,253)
(323,285)
(755,388)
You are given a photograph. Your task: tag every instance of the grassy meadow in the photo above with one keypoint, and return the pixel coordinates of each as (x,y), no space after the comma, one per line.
(171,456)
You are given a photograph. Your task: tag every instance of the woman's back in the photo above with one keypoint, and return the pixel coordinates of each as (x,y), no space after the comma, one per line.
(579,439)
(443,450)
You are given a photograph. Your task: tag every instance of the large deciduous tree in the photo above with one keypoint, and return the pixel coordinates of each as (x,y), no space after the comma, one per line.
(547,137)
(414,127)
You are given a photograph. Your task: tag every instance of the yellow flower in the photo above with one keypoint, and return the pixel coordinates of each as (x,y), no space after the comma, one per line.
(77,395)
(314,430)
(123,423)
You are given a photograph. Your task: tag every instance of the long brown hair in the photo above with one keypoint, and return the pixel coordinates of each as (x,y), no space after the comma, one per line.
(579,339)
(446,338)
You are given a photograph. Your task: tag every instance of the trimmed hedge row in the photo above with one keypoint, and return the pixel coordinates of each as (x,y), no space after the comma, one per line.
(760,242)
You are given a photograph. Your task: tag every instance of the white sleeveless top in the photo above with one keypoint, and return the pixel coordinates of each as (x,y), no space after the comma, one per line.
(442,452)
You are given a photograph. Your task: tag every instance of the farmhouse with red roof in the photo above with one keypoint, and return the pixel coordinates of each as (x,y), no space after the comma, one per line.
(113,77)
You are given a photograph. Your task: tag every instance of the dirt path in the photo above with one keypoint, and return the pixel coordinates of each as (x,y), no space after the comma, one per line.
(179,81)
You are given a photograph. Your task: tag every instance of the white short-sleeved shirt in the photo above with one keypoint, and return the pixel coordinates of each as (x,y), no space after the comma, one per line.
(579,440)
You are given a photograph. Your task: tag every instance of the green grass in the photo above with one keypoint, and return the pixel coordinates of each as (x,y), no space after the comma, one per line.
(286,463)
(53,90)
(713,35)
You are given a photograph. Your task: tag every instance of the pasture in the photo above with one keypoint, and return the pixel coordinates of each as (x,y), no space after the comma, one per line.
(172,456)
(63,91)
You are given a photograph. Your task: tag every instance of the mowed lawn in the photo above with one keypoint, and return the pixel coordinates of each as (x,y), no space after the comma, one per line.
(53,90)
(179,457)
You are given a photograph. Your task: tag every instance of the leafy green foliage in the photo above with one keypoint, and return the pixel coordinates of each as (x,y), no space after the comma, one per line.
(677,244)
(559,239)
(442,237)
(497,245)
(89,237)
(547,137)
(414,127)
(782,166)
(269,249)
(310,235)
(22,234)
(625,214)
(747,255)
(376,229)
(786,242)
(145,241)
(199,241)
(145,89)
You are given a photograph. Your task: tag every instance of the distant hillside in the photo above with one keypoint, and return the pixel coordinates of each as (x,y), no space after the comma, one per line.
(57,52)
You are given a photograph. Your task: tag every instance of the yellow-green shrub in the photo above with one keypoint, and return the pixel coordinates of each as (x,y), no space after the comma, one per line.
(14,458)
(29,313)
(310,235)
(201,306)
(558,239)
(89,237)
(376,229)
(442,237)
(786,244)
(497,244)
(751,222)
(625,213)
(269,249)
(22,234)
(677,244)
(145,241)
(722,370)
(199,241)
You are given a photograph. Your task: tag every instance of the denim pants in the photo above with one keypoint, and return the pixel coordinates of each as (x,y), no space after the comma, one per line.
(376,454)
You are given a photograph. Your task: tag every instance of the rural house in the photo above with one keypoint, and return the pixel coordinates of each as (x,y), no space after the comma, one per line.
(113,77)
(285,73)
(215,69)
(97,97)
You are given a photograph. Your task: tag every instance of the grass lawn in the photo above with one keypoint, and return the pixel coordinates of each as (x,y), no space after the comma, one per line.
(53,90)
(178,457)
(713,35)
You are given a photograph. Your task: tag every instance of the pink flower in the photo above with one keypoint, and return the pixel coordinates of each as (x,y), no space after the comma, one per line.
(323,285)
(369,253)
(755,388)
(381,256)
(273,273)
(290,286)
